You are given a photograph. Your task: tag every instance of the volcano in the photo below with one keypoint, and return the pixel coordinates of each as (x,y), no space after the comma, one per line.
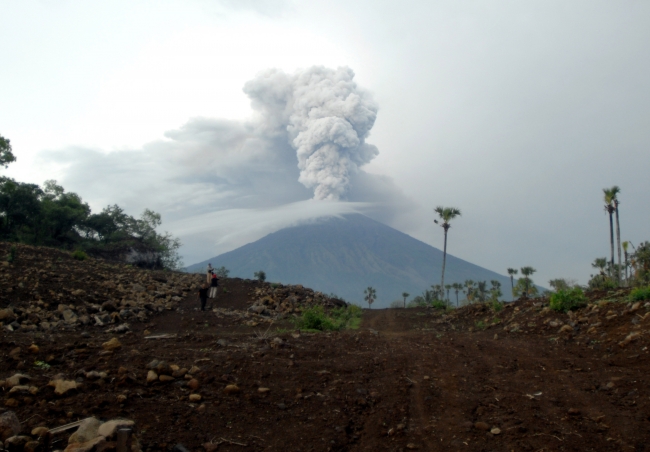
(344,255)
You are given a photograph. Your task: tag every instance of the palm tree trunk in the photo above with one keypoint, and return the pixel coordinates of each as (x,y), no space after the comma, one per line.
(611,241)
(456,298)
(512,286)
(618,240)
(444,261)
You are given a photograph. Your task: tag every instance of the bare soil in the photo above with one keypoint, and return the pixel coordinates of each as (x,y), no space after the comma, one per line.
(407,379)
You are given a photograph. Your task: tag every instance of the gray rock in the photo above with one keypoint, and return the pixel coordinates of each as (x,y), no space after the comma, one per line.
(87,431)
(69,316)
(9,425)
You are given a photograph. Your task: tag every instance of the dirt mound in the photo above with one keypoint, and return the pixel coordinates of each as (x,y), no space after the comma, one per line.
(479,379)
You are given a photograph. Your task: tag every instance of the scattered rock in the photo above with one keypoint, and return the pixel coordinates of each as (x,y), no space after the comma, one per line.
(166,378)
(33,348)
(89,446)
(108,428)
(111,345)
(9,425)
(16,379)
(263,390)
(574,411)
(40,431)
(231,389)
(481,426)
(87,431)
(495,431)
(63,386)
(152,376)
(566,329)
(193,384)
(195,397)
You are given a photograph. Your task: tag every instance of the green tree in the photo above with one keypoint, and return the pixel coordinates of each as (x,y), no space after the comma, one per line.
(528,283)
(223,272)
(370,296)
(618,233)
(260,276)
(6,156)
(448,288)
(512,272)
(457,287)
(469,290)
(405,296)
(495,290)
(446,214)
(610,207)
(482,291)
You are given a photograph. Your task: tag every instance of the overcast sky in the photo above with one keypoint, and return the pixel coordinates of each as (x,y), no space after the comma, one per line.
(235,118)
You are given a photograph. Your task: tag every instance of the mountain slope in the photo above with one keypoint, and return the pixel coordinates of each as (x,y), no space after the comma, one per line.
(346,255)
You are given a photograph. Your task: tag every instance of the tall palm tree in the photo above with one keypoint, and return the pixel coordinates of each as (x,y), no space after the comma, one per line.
(512,272)
(405,296)
(527,271)
(448,288)
(482,288)
(610,208)
(457,287)
(371,295)
(446,214)
(618,231)
(626,245)
(469,290)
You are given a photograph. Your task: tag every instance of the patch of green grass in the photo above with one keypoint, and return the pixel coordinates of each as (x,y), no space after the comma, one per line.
(640,294)
(568,300)
(317,319)
(480,325)
(79,255)
(41,365)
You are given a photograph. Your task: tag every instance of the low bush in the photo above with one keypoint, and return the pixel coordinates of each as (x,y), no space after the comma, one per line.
(568,300)
(496,305)
(336,319)
(11,257)
(80,255)
(439,304)
(640,294)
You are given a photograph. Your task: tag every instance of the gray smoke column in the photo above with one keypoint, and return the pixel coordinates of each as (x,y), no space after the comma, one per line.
(325,117)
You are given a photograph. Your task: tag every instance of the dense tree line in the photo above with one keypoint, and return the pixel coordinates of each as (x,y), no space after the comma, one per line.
(50,216)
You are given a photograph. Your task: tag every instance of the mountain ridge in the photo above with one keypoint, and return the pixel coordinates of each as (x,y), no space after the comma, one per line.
(346,254)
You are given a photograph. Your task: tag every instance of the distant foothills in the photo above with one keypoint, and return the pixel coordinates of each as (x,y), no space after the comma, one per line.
(345,255)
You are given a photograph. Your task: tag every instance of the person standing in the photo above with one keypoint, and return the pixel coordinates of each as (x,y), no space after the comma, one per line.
(214,283)
(203,295)
(210,270)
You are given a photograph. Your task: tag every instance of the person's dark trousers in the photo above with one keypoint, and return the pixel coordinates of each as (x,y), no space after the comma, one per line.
(203,302)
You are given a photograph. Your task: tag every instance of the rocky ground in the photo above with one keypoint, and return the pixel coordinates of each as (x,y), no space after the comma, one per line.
(240,377)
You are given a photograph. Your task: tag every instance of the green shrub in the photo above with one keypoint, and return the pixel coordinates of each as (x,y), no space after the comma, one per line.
(568,300)
(496,305)
(439,304)
(260,276)
(640,294)
(11,257)
(316,318)
(80,255)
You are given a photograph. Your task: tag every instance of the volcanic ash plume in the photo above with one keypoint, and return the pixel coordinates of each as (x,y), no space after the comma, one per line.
(326,119)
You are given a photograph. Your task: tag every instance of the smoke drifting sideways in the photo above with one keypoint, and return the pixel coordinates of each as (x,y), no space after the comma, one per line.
(305,142)
(326,118)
